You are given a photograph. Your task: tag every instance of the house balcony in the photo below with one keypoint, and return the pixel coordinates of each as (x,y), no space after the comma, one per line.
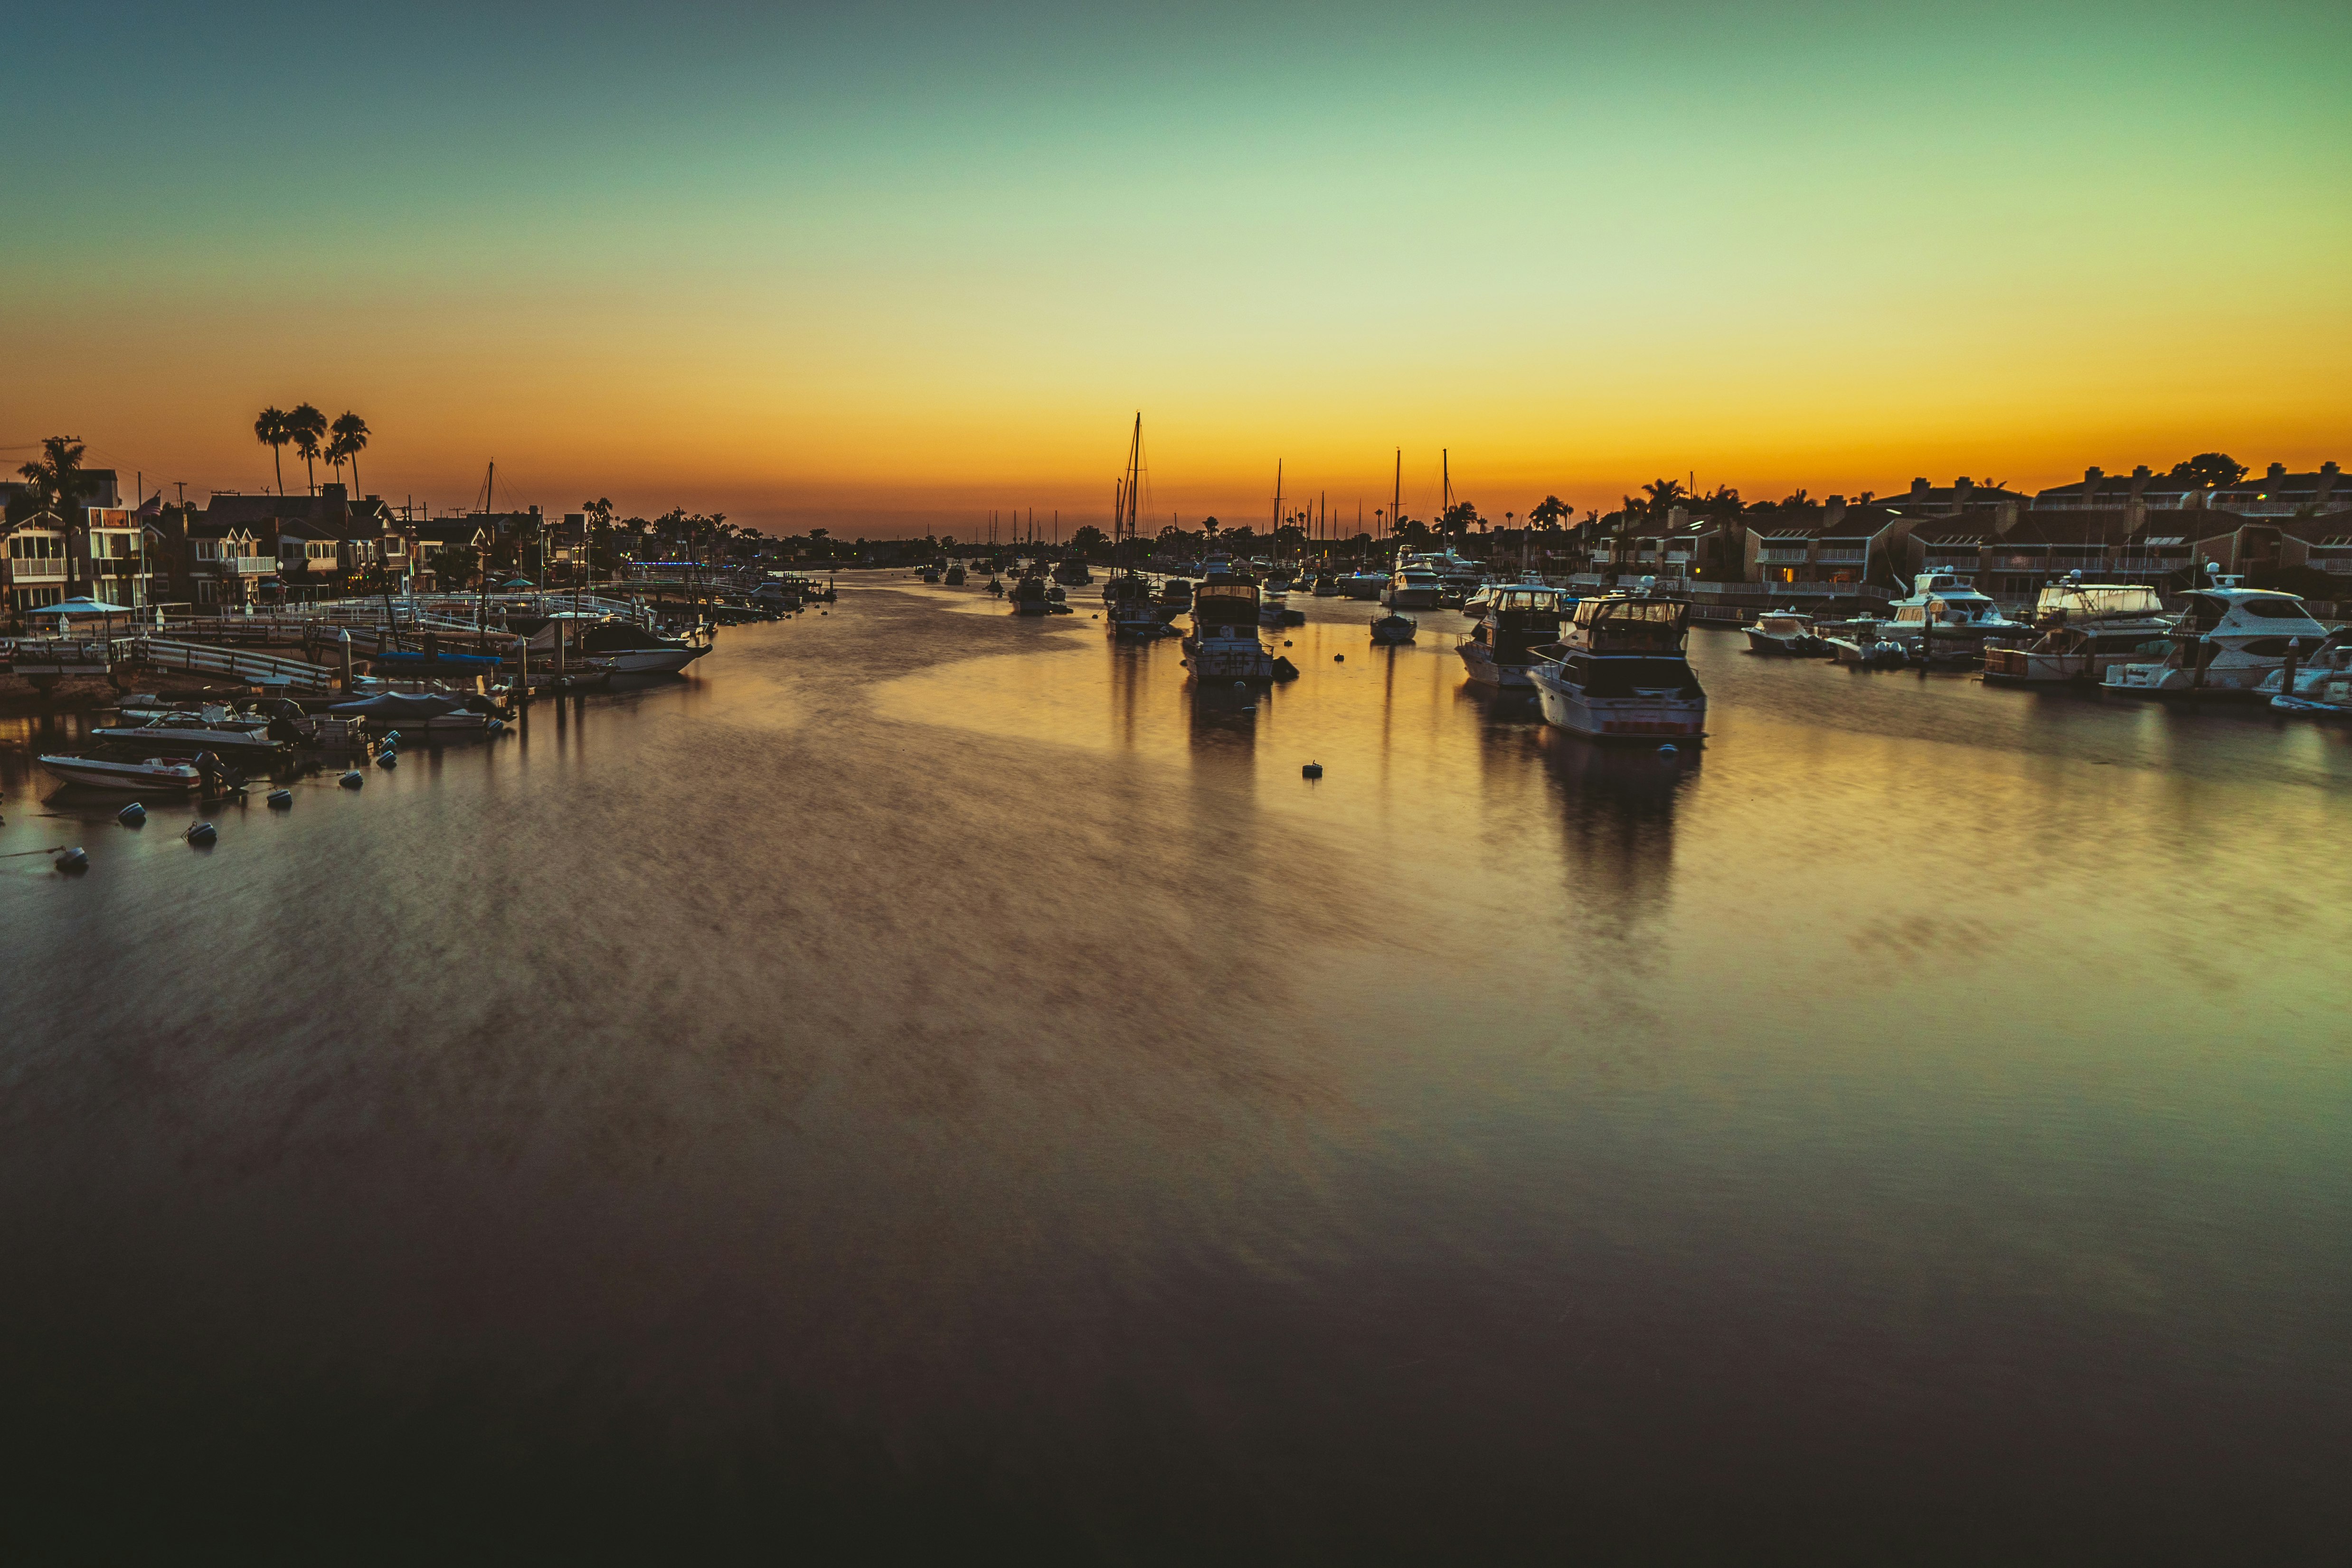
(1784,555)
(47,571)
(248,565)
(1840,556)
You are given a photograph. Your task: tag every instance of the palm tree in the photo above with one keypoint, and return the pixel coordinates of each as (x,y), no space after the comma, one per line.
(271,429)
(309,428)
(56,481)
(350,434)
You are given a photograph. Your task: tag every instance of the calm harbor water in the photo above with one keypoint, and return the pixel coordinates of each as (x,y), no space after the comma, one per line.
(932,1081)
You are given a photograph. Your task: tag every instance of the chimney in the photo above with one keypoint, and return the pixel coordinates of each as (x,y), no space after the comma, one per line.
(2327,477)
(2278,472)
(335,512)
(1918,488)
(1963,491)
(1834,511)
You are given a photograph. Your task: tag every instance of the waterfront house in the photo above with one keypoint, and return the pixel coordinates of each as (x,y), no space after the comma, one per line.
(2014,563)
(34,570)
(2098,490)
(1962,498)
(2279,494)
(1836,547)
(231,564)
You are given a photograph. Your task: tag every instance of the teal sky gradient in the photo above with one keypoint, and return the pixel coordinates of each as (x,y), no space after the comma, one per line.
(913,259)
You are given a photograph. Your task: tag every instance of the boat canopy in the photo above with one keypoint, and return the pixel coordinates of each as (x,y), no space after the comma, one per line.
(2084,601)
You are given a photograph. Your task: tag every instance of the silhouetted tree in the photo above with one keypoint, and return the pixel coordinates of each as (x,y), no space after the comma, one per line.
(309,427)
(271,429)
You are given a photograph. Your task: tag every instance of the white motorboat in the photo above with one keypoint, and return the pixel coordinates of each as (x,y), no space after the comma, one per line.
(154,776)
(1363,584)
(1787,633)
(2086,630)
(625,649)
(2316,671)
(1517,620)
(2225,642)
(1950,619)
(1415,585)
(1859,642)
(1622,674)
(220,730)
(1223,646)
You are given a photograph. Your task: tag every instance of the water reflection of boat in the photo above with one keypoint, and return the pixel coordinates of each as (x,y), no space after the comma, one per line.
(1622,673)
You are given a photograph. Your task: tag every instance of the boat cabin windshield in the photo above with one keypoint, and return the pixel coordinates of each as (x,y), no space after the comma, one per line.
(1632,626)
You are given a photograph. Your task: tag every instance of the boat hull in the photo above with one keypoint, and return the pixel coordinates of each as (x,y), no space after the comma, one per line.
(1484,671)
(1565,707)
(646,660)
(1409,598)
(1780,647)
(221,742)
(132,778)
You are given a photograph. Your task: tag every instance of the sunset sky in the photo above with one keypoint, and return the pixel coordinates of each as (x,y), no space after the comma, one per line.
(885,267)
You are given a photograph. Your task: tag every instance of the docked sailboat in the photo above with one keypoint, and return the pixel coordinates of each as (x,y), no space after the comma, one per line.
(1516,619)
(1620,673)
(1127,609)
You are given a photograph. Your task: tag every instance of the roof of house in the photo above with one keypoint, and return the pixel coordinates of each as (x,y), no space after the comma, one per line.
(362,519)
(1963,493)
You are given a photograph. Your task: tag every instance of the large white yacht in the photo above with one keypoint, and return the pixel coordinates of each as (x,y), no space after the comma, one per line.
(1415,585)
(2322,674)
(1225,646)
(2086,630)
(1620,673)
(1954,618)
(2225,642)
(1518,620)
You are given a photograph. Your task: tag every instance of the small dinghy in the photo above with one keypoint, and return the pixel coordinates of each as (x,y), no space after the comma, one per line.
(156,773)
(1391,629)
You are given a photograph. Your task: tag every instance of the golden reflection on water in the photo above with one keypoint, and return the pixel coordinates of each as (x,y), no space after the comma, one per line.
(964,1026)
